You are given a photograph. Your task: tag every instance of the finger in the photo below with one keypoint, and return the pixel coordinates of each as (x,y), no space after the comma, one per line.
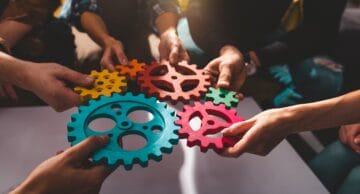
(11,92)
(212,69)
(239,148)
(119,52)
(59,152)
(69,99)
(83,150)
(102,171)
(238,128)
(174,55)
(342,136)
(184,56)
(357,143)
(106,61)
(225,77)
(75,77)
(240,96)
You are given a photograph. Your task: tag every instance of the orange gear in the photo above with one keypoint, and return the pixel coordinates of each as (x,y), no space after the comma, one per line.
(106,83)
(131,70)
(180,82)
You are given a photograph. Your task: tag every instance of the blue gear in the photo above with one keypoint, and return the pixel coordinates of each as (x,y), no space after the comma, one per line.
(117,108)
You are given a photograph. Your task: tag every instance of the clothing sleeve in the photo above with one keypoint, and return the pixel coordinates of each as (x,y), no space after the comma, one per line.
(154,8)
(31,12)
(316,36)
(78,7)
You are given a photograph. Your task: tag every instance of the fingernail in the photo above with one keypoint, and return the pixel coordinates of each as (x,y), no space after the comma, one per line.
(357,151)
(357,141)
(124,61)
(104,139)
(89,79)
(226,130)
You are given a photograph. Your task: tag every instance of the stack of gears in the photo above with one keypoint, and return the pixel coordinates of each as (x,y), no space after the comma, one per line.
(159,83)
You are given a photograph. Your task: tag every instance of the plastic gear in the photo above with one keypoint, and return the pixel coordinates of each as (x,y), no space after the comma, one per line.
(131,70)
(106,83)
(210,124)
(180,82)
(160,132)
(222,96)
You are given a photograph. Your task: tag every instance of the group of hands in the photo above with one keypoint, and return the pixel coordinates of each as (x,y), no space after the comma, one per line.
(72,167)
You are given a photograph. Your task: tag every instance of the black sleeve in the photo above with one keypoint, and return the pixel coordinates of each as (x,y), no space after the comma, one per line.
(317,34)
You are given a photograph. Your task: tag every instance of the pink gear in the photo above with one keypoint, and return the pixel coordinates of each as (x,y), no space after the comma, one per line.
(210,124)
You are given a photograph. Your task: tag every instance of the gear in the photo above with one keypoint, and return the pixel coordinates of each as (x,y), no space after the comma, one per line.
(181,82)
(211,124)
(160,132)
(131,70)
(106,83)
(222,96)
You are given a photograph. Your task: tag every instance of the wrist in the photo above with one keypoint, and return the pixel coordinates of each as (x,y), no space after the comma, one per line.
(297,115)
(231,50)
(26,188)
(169,31)
(107,40)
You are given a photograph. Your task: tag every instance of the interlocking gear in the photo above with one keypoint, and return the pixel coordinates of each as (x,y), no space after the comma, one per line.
(211,124)
(160,132)
(182,82)
(131,70)
(106,83)
(222,96)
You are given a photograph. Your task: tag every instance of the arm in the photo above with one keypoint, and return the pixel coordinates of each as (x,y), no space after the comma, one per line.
(96,28)
(264,131)
(47,80)
(68,172)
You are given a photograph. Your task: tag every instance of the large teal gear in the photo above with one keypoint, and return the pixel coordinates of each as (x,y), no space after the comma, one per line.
(118,107)
(222,96)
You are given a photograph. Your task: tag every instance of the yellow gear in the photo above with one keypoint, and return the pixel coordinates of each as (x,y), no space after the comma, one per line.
(106,83)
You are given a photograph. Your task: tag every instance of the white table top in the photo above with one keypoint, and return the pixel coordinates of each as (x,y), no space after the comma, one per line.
(30,135)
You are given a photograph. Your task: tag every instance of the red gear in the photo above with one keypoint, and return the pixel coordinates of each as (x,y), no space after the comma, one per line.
(209,125)
(180,82)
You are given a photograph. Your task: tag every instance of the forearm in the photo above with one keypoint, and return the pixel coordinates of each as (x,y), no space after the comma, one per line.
(13,31)
(10,70)
(327,113)
(95,27)
(166,22)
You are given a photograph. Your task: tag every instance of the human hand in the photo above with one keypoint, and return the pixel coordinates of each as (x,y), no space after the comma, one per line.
(49,82)
(350,135)
(7,91)
(261,133)
(228,70)
(69,172)
(171,48)
(113,54)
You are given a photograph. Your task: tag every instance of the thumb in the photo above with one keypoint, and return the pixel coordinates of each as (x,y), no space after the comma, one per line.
(238,128)
(83,150)
(224,77)
(74,77)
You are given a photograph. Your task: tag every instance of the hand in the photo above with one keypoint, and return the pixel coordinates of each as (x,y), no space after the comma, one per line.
(69,172)
(7,91)
(48,81)
(228,70)
(171,48)
(261,133)
(350,135)
(113,54)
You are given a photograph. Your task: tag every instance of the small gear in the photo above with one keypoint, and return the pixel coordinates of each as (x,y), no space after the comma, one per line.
(106,83)
(181,82)
(211,124)
(160,132)
(222,96)
(132,69)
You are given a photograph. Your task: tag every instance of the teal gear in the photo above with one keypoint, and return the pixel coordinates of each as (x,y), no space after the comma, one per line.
(118,107)
(222,96)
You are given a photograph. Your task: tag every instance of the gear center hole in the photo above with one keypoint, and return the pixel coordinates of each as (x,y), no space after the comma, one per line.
(140,116)
(195,123)
(132,142)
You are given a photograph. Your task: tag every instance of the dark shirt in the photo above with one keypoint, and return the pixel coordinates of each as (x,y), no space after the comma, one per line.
(256,25)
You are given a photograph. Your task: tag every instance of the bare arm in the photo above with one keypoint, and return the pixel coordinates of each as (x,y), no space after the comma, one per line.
(95,27)
(12,31)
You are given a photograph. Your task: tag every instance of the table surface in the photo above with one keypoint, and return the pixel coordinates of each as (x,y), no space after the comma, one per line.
(32,134)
